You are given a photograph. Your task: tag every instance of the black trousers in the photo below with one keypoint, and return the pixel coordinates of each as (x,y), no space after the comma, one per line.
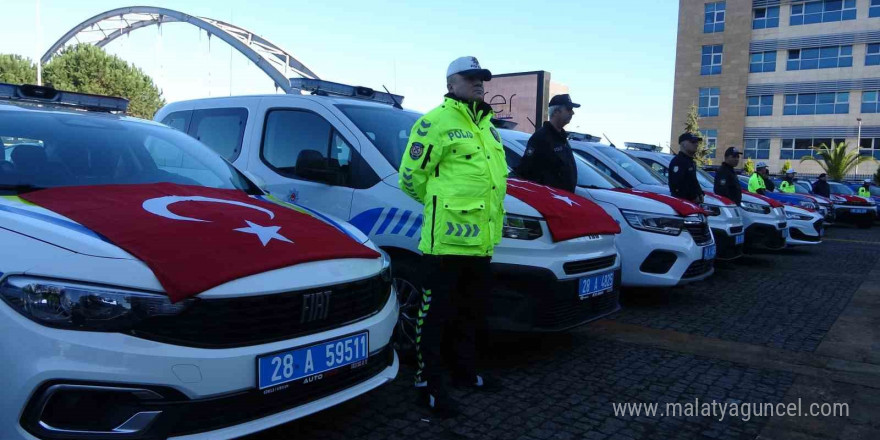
(452,318)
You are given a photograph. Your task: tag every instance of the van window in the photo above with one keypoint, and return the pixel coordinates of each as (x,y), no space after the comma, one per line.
(178,120)
(221,129)
(296,138)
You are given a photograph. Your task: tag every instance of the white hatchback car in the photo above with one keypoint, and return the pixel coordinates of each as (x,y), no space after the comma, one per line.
(93,346)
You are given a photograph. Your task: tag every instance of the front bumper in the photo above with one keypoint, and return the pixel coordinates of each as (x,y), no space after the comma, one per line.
(532,299)
(728,248)
(845,214)
(656,260)
(805,232)
(201,393)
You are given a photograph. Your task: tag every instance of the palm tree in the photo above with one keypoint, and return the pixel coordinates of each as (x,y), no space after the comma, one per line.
(836,161)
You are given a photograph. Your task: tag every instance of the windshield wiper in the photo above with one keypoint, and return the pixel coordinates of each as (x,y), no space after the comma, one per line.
(20,187)
(592,187)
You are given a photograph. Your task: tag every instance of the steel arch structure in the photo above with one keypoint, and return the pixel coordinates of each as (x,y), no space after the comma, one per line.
(107,26)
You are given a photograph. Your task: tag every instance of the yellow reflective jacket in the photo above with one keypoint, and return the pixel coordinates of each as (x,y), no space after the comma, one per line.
(756,182)
(786,187)
(454,164)
(864,192)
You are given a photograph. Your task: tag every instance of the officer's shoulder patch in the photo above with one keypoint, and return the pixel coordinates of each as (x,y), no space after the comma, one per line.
(724,181)
(530,151)
(416,150)
(675,169)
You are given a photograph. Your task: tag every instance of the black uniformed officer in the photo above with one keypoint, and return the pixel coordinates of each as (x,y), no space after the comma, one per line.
(683,170)
(726,180)
(548,159)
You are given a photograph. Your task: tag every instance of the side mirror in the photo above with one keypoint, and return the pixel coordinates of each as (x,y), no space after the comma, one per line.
(312,165)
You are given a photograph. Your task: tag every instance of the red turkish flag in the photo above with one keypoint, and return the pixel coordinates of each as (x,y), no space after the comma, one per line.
(568,215)
(680,206)
(195,238)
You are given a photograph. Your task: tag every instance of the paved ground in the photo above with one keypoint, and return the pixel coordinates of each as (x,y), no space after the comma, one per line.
(772,327)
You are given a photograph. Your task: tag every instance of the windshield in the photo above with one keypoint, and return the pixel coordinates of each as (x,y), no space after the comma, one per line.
(706,180)
(43,149)
(388,128)
(643,173)
(802,188)
(588,176)
(839,188)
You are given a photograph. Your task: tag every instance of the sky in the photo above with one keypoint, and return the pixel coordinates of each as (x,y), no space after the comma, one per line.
(617,57)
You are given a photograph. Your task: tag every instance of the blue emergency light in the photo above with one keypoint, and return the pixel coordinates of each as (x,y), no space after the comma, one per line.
(327,88)
(47,95)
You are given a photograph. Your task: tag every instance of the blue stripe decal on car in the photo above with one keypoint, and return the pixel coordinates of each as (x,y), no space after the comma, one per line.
(366,220)
(415,227)
(67,224)
(403,219)
(387,221)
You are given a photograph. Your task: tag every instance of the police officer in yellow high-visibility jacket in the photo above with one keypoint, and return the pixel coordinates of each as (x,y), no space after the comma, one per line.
(756,182)
(865,189)
(787,185)
(455,165)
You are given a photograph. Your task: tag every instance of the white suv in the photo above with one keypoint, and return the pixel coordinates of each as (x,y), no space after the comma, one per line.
(94,347)
(659,246)
(338,151)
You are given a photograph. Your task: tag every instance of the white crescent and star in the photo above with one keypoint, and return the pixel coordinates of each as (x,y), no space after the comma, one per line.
(565,199)
(159,206)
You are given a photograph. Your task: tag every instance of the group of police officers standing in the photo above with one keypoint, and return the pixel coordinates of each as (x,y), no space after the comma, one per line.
(454,165)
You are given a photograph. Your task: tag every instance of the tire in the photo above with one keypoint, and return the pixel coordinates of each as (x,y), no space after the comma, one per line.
(408,286)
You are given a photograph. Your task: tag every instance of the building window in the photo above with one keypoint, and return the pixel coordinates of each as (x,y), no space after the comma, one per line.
(874,10)
(711,138)
(802,147)
(822,11)
(870,102)
(760,105)
(872,54)
(711,60)
(817,104)
(820,58)
(870,147)
(762,62)
(709,100)
(763,18)
(757,148)
(714,17)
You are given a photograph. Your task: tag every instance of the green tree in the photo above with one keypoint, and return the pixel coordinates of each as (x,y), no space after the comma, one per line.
(692,125)
(749,166)
(88,69)
(16,69)
(836,161)
(785,166)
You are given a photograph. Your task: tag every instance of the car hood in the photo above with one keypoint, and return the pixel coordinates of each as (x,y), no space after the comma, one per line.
(628,201)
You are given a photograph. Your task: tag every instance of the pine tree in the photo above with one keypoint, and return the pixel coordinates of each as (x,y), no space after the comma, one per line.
(692,125)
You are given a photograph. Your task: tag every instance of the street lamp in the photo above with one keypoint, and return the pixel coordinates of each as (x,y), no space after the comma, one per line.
(858,145)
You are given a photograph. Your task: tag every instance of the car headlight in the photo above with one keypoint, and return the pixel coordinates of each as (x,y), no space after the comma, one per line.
(808,205)
(795,216)
(386,273)
(661,224)
(77,306)
(521,228)
(756,208)
(713,210)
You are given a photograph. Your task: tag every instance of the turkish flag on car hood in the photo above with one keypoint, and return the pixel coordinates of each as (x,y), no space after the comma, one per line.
(682,207)
(195,238)
(568,215)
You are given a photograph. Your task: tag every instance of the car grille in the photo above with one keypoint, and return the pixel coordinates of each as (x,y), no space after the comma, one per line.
(698,268)
(817,225)
(848,203)
(211,414)
(700,233)
(798,235)
(244,321)
(563,314)
(575,267)
(736,230)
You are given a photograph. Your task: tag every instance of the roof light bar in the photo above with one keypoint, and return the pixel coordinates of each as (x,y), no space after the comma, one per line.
(583,137)
(45,95)
(643,147)
(327,88)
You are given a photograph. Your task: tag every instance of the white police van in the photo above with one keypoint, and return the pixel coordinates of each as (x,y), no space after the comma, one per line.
(338,150)
(94,347)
